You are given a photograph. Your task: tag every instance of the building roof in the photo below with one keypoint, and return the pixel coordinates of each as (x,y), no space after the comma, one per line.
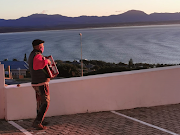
(15,64)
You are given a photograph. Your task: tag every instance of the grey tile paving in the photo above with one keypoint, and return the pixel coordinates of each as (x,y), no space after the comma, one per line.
(105,123)
(167,116)
(8,129)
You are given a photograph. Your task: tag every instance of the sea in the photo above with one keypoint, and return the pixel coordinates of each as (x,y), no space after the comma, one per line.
(143,44)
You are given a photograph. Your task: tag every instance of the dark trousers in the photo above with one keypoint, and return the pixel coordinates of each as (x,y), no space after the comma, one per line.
(43,101)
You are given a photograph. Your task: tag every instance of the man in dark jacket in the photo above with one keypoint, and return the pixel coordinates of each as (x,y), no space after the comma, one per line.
(40,81)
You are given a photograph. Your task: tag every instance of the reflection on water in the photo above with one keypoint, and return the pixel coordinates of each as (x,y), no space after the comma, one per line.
(151,44)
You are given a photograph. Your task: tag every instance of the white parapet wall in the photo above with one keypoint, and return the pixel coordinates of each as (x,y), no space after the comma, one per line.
(2,95)
(114,91)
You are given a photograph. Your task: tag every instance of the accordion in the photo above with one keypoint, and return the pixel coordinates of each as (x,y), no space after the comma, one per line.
(51,69)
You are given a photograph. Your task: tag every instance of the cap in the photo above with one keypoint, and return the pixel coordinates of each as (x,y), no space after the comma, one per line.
(37,42)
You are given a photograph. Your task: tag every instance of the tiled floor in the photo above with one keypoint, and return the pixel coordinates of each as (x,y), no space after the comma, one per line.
(105,123)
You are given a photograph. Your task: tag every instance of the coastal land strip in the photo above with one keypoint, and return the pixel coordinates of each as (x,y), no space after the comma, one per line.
(83,26)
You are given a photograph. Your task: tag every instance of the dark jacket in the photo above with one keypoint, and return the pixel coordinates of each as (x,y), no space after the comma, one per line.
(37,76)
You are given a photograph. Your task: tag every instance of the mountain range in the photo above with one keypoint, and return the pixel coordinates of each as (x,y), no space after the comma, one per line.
(44,20)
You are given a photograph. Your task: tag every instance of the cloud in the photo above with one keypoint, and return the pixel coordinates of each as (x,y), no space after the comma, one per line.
(44,11)
(120,11)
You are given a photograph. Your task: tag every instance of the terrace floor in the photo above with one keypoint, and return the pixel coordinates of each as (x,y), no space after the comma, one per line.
(159,120)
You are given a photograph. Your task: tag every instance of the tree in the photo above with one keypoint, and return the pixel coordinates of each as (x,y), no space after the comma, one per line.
(25,59)
(131,63)
(68,70)
(15,60)
(5,59)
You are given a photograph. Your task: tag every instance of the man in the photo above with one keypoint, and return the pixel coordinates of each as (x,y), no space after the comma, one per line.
(40,81)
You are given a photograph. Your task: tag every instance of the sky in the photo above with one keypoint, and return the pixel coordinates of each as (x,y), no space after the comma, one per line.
(14,9)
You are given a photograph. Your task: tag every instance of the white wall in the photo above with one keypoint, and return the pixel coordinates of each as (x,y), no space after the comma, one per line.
(21,102)
(2,95)
(115,91)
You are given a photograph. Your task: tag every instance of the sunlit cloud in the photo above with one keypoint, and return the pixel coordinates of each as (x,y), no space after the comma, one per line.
(120,11)
(44,11)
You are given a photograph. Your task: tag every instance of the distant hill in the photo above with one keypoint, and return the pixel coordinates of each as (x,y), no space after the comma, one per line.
(48,21)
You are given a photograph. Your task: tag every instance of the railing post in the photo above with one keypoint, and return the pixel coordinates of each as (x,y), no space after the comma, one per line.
(2,92)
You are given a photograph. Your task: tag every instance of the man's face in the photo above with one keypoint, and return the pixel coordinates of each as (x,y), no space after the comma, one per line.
(41,47)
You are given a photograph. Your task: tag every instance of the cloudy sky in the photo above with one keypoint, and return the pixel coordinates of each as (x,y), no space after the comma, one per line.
(13,9)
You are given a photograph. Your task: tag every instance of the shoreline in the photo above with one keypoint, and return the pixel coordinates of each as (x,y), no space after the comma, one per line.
(85,26)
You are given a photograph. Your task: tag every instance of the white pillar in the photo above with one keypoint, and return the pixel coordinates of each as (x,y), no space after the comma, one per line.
(2,92)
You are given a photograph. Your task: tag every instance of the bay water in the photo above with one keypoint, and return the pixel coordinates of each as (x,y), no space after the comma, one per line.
(144,44)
